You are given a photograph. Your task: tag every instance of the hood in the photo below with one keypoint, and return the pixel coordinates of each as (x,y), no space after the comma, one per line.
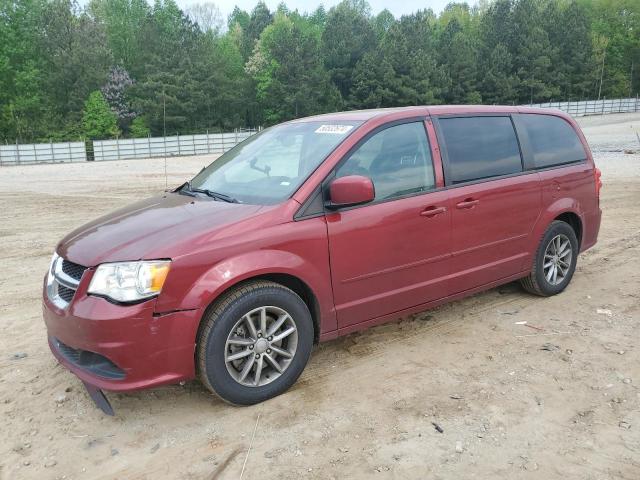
(154,228)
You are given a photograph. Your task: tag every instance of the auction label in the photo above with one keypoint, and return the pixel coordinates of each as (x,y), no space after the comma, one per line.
(335,129)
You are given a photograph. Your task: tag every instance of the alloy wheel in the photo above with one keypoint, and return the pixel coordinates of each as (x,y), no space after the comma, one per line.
(557,259)
(261,346)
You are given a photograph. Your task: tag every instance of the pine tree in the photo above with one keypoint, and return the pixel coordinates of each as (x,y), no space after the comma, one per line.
(98,121)
(347,36)
(139,128)
(374,83)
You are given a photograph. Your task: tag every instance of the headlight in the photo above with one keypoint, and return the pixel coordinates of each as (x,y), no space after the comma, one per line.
(129,281)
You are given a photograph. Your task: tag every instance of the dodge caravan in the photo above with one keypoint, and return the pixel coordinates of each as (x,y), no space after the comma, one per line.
(313,229)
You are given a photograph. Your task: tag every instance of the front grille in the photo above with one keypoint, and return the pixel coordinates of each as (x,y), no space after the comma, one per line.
(90,361)
(74,270)
(65,293)
(63,281)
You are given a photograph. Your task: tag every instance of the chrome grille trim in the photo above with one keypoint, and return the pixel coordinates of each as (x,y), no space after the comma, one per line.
(59,283)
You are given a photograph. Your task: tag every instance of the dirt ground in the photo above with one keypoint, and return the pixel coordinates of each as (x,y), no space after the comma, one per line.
(557,401)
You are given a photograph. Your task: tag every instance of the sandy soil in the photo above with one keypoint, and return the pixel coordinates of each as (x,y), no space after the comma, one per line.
(512,401)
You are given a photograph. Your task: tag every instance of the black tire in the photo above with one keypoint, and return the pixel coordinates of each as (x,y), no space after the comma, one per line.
(223,316)
(537,282)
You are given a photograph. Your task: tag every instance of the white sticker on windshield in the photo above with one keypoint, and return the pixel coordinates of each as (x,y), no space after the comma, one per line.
(335,129)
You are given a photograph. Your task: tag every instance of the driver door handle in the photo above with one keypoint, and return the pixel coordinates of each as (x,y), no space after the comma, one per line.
(432,211)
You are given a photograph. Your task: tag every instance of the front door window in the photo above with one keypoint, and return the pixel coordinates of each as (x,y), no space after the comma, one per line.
(397,159)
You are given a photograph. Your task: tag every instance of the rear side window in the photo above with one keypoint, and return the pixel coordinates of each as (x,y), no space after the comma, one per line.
(553,141)
(480,147)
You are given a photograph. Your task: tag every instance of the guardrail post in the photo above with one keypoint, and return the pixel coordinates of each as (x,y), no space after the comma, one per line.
(17,153)
(179,152)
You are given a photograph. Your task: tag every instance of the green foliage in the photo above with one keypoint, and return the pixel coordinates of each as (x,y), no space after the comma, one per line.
(139,128)
(347,36)
(98,121)
(287,68)
(259,20)
(187,77)
(123,21)
(375,83)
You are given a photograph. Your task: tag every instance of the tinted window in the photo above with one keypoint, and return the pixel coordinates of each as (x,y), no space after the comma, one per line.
(553,141)
(480,147)
(397,160)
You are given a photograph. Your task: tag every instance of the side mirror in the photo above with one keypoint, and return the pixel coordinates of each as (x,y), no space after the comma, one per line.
(349,191)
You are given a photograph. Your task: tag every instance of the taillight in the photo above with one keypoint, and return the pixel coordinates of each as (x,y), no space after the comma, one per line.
(598,175)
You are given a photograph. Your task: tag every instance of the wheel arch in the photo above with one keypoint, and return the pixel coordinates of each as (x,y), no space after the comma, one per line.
(302,289)
(293,282)
(574,221)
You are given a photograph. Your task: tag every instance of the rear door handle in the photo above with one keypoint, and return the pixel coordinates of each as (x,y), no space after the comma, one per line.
(432,211)
(468,203)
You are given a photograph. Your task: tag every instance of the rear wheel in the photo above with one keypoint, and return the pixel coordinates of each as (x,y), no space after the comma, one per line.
(255,342)
(554,262)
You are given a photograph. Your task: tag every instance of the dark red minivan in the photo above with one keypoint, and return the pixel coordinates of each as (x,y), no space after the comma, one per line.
(313,229)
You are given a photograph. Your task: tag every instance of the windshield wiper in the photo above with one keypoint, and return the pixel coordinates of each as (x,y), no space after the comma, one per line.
(215,195)
(187,189)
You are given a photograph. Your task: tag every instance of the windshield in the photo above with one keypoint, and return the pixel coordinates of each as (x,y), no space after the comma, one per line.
(268,167)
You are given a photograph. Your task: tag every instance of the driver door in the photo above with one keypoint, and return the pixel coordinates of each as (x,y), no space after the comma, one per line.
(392,253)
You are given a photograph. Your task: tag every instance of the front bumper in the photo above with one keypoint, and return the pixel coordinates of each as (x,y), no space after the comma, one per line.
(134,347)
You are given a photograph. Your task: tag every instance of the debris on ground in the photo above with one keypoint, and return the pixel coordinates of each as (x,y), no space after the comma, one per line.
(437,427)
(19,356)
(540,329)
(549,347)
(604,311)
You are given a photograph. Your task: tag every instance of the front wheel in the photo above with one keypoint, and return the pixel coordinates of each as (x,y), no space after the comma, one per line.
(555,261)
(255,342)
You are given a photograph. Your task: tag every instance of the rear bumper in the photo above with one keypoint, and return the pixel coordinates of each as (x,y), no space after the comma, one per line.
(134,348)
(591,229)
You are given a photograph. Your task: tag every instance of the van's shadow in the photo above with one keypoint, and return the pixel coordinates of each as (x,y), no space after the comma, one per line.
(343,351)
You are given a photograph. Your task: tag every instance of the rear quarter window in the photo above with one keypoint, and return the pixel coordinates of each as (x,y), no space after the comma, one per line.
(553,141)
(479,147)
